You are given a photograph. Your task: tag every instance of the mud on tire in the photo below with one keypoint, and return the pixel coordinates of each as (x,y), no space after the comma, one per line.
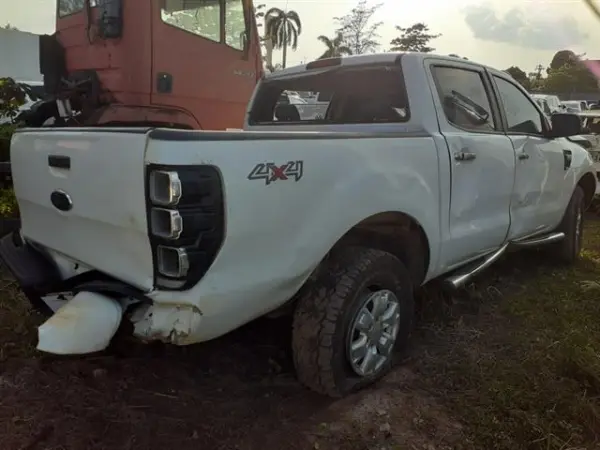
(324,317)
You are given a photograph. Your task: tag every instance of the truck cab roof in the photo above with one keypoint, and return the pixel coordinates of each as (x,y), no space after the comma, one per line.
(369,59)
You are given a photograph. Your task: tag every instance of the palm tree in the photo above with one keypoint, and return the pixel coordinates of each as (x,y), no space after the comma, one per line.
(335,47)
(283,29)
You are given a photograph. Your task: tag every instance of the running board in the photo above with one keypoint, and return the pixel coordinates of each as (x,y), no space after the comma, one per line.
(533,242)
(460,277)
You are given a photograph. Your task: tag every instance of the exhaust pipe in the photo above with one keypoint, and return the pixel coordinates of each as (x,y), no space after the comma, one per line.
(85,324)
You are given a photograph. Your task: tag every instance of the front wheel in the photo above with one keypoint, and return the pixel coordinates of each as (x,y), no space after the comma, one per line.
(349,329)
(567,251)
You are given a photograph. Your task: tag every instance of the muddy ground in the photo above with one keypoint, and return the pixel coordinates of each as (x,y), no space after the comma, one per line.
(239,392)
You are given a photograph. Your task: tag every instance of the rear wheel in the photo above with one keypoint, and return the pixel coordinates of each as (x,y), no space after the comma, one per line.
(567,251)
(350,328)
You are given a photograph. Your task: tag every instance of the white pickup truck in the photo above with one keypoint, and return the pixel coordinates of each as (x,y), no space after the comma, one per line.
(423,167)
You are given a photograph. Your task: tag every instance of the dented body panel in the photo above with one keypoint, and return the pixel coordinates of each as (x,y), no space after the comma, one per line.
(323,180)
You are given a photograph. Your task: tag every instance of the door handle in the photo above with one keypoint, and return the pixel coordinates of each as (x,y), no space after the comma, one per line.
(464,156)
(523,155)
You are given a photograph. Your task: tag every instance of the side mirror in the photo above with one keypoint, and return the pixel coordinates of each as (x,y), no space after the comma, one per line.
(565,125)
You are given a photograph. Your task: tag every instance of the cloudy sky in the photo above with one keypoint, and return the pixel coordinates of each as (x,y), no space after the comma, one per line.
(500,33)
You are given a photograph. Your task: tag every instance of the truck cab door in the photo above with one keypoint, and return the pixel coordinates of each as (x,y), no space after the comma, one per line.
(204,55)
(481,162)
(538,201)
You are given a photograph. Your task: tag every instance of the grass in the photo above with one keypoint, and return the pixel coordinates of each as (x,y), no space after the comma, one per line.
(523,369)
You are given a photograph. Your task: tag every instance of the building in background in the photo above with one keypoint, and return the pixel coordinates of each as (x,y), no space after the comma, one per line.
(19,55)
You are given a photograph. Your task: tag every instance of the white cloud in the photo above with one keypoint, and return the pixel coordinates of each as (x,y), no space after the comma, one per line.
(524,27)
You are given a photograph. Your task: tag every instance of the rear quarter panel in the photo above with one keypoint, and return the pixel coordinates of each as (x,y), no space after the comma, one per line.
(277,233)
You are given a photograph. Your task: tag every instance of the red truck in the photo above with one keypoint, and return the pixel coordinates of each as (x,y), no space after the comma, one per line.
(190,64)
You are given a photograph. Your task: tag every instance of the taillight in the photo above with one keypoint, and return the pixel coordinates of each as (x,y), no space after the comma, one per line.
(165,188)
(185,221)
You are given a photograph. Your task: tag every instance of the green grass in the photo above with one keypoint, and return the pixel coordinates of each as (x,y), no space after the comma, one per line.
(515,359)
(523,370)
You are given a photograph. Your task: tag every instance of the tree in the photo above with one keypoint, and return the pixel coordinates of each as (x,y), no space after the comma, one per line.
(562,58)
(415,38)
(8,26)
(570,78)
(335,46)
(359,34)
(283,28)
(519,76)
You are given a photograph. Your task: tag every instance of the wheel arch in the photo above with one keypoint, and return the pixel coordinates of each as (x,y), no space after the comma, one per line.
(588,184)
(397,233)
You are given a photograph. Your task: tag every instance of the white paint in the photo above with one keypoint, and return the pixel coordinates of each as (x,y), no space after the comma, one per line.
(107,227)
(85,324)
(277,234)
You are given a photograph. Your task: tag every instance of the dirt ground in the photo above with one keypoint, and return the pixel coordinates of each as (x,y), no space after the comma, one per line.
(239,392)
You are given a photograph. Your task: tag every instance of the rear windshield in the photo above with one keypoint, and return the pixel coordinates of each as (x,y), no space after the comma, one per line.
(373,94)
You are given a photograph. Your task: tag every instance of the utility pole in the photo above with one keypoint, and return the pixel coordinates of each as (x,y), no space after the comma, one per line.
(538,71)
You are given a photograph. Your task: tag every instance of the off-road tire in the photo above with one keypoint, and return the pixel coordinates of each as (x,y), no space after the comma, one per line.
(567,251)
(323,317)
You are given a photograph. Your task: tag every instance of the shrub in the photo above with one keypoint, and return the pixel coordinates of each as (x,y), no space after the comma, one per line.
(12,96)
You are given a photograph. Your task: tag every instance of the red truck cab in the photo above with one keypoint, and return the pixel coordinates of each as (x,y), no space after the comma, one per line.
(172,63)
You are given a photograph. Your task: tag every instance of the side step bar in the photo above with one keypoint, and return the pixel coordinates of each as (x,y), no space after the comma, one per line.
(460,277)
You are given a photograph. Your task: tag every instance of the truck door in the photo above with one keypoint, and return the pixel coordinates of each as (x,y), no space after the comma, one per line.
(203,59)
(482,161)
(538,200)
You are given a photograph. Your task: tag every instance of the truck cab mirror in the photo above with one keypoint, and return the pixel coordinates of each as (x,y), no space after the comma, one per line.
(565,125)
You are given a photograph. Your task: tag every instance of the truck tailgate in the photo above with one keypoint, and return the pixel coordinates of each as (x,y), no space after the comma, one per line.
(101,172)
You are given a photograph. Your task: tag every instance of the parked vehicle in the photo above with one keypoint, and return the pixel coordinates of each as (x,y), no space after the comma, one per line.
(543,104)
(574,106)
(433,172)
(552,100)
(591,133)
(175,63)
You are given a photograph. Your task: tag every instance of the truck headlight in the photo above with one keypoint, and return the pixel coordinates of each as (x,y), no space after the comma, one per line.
(172,262)
(165,188)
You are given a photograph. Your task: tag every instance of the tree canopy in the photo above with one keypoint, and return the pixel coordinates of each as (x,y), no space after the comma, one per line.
(415,38)
(359,32)
(520,76)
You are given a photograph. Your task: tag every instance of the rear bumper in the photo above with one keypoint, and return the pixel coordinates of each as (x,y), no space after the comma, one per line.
(38,276)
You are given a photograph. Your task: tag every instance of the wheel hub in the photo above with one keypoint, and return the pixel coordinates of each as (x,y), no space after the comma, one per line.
(373,332)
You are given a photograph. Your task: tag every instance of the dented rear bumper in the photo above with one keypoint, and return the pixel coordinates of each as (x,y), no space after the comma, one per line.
(39,276)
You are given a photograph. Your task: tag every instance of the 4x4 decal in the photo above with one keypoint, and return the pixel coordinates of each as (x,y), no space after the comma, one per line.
(271,172)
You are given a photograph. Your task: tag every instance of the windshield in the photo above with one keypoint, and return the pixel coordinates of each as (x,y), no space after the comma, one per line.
(68,7)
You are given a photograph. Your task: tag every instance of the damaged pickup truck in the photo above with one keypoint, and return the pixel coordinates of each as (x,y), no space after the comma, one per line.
(421,167)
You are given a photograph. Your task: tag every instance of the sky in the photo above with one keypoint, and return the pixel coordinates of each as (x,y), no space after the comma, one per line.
(499,33)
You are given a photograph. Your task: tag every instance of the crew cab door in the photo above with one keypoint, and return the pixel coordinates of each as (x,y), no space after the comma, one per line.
(537,202)
(200,63)
(481,159)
